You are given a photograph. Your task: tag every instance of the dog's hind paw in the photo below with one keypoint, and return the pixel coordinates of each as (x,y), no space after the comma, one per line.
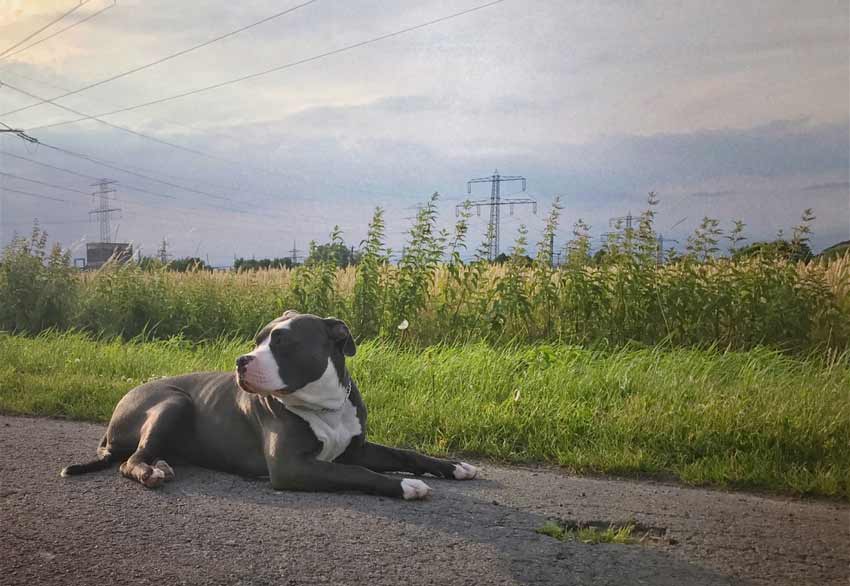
(166,469)
(413,489)
(464,471)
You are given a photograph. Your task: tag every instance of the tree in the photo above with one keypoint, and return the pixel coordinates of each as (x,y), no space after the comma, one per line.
(776,249)
(795,250)
(190,263)
(837,250)
(252,264)
(336,252)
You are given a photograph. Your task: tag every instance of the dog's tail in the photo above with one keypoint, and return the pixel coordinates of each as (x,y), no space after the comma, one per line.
(104,460)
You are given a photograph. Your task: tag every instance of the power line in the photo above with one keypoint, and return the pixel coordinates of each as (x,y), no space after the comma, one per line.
(34,162)
(129,172)
(253,192)
(42,223)
(145,211)
(272,226)
(45,27)
(92,177)
(53,185)
(278,68)
(37,195)
(59,32)
(157,140)
(170,121)
(82,175)
(121,128)
(17,131)
(124,186)
(164,59)
(220,158)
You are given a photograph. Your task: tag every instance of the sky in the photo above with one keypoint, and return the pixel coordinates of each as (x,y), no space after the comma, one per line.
(728,109)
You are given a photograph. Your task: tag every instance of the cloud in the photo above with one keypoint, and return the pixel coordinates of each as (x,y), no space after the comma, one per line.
(828,186)
(727,110)
(723,193)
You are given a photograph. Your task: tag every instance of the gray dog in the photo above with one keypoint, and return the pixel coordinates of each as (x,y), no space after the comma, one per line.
(290,411)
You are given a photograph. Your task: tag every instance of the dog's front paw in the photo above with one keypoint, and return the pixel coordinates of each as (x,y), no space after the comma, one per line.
(464,471)
(413,489)
(167,470)
(152,477)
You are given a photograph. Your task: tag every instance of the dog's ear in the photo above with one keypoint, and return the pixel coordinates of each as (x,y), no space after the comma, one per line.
(341,335)
(289,313)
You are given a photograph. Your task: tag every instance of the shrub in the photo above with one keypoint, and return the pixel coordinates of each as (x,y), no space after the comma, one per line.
(630,294)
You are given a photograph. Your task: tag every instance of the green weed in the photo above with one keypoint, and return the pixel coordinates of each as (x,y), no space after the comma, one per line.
(590,534)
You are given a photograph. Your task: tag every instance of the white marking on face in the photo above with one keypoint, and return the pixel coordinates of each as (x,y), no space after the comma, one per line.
(262,374)
(414,489)
(324,405)
(464,471)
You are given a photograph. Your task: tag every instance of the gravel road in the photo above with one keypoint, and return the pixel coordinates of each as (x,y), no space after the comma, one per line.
(213,528)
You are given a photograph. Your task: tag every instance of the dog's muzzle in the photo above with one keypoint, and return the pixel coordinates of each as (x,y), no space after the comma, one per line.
(241,369)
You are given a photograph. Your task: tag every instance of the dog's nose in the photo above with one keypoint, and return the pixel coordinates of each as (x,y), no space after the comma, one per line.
(242,362)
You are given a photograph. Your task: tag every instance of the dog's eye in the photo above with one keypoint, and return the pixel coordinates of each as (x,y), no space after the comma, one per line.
(279,340)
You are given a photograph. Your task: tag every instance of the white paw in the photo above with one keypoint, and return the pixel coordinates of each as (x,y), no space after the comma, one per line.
(167,470)
(155,478)
(414,489)
(464,471)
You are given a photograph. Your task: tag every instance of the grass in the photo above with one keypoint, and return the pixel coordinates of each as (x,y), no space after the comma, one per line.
(589,534)
(755,419)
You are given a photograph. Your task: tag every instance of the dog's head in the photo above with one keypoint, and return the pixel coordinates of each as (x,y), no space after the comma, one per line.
(295,353)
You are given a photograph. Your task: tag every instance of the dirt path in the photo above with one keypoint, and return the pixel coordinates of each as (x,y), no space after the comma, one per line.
(212,528)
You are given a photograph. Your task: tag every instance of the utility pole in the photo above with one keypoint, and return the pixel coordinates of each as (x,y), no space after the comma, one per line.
(495,203)
(103,211)
(293,255)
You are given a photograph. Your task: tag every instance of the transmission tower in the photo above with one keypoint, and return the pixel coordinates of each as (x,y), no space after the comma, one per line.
(293,255)
(659,254)
(623,226)
(103,211)
(495,203)
(162,253)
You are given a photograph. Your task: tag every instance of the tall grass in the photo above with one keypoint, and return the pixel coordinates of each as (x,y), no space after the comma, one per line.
(750,419)
(623,295)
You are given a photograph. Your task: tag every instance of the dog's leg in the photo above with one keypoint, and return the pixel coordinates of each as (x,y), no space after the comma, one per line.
(384,459)
(316,475)
(292,468)
(162,421)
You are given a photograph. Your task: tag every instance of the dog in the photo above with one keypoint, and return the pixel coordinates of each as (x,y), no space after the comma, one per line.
(290,411)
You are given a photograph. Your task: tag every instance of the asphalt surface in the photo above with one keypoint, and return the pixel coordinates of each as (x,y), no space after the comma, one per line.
(212,528)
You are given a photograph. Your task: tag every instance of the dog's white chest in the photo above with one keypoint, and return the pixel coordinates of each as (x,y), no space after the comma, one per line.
(333,428)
